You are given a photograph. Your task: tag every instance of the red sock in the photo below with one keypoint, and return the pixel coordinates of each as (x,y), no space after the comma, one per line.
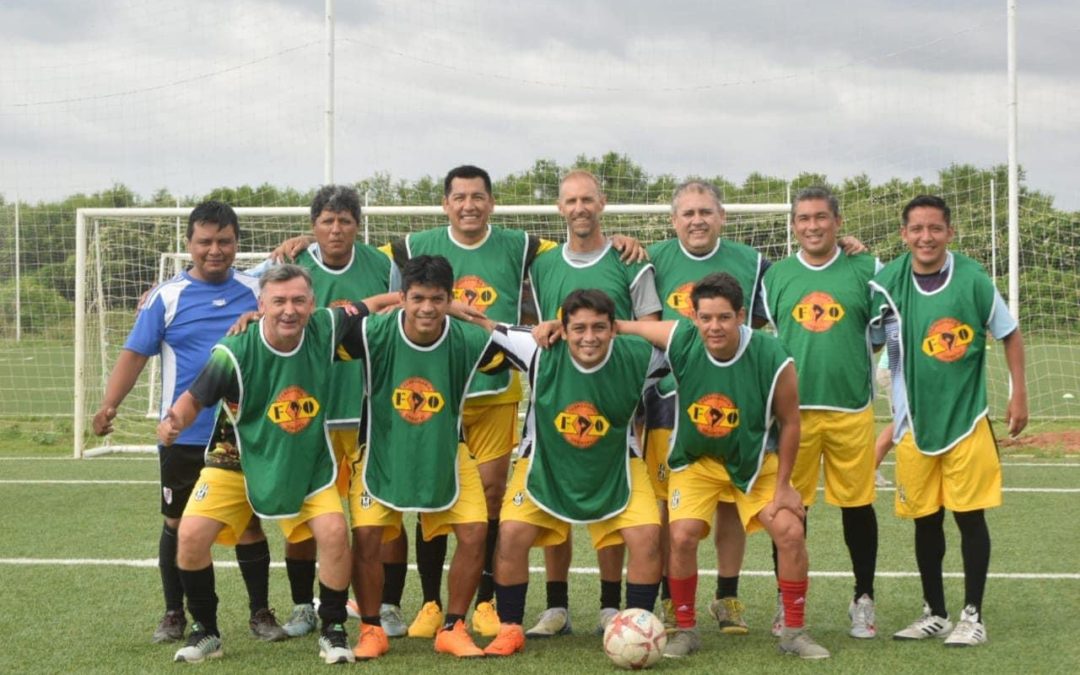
(683,592)
(793,594)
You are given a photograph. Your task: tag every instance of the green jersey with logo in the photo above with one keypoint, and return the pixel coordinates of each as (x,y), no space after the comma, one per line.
(553,277)
(677,271)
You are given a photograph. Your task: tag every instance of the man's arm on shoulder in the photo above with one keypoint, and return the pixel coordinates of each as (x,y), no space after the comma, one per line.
(657,332)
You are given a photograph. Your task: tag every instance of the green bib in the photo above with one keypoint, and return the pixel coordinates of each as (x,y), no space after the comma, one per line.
(284,450)
(942,347)
(725,408)
(677,271)
(579,470)
(553,278)
(821,315)
(414,401)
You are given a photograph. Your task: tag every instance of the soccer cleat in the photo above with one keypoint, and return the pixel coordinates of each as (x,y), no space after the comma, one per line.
(969,630)
(352,609)
(728,613)
(485,620)
(683,642)
(553,621)
(428,621)
(797,642)
(606,615)
(334,645)
(510,640)
(372,643)
(863,620)
(667,616)
(171,628)
(264,626)
(301,621)
(393,622)
(778,618)
(200,646)
(457,642)
(926,626)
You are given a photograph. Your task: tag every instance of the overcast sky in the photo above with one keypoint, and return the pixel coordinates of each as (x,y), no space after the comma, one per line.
(196,94)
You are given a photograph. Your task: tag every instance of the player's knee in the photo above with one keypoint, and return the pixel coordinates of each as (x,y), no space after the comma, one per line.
(471,535)
(367,544)
(684,537)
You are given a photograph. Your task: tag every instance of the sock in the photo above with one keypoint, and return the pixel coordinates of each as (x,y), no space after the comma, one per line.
(511,601)
(683,593)
(610,593)
(727,587)
(452,619)
(665,588)
(170,575)
(201,598)
(254,562)
(372,620)
(929,552)
(332,605)
(861,537)
(642,596)
(975,550)
(485,592)
(430,556)
(301,580)
(793,595)
(558,595)
(393,583)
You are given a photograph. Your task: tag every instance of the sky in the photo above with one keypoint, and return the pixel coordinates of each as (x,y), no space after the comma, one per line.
(193,95)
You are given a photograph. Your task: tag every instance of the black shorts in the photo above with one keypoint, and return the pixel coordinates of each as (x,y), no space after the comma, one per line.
(180,467)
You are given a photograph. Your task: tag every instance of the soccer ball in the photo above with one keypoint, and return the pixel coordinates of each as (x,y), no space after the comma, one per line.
(634,639)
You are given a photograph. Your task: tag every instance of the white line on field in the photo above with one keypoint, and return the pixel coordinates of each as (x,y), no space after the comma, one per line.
(85,459)
(153,563)
(78,482)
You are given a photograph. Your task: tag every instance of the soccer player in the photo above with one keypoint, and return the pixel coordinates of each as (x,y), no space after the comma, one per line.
(272,457)
(736,438)
(587,260)
(181,320)
(578,464)
(819,301)
(937,307)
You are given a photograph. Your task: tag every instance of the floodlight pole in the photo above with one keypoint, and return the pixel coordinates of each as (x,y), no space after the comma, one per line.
(328,153)
(1014,171)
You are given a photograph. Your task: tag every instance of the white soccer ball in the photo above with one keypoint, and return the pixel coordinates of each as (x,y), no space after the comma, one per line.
(634,639)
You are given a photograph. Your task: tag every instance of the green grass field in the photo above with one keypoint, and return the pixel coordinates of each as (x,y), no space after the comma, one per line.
(80,589)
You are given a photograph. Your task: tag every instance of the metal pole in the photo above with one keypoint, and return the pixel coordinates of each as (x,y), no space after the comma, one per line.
(790,223)
(993,230)
(80,330)
(328,155)
(18,276)
(367,225)
(1014,172)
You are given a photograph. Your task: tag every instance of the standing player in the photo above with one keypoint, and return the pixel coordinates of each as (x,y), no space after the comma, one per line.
(586,260)
(181,321)
(737,434)
(819,302)
(937,308)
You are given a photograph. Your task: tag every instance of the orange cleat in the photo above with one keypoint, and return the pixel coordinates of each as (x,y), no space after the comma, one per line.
(457,642)
(372,644)
(511,640)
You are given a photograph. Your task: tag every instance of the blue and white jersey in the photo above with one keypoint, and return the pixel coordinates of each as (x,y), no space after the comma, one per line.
(181,320)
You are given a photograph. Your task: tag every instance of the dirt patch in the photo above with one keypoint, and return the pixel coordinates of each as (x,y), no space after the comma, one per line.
(1064,441)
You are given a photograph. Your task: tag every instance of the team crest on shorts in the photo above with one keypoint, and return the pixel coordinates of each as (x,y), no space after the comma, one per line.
(676,497)
(947,340)
(200,494)
(519,498)
(581,424)
(365,500)
(901,494)
(166,494)
(475,292)
(293,409)
(679,300)
(818,312)
(714,415)
(661,472)
(416,400)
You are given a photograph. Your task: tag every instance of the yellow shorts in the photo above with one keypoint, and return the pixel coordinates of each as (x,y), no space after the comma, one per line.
(346,445)
(843,444)
(966,478)
(491,431)
(470,507)
(696,490)
(640,510)
(221,495)
(657,446)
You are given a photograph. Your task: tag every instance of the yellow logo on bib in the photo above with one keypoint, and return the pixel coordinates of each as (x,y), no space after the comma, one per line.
(293,410)
(581,424)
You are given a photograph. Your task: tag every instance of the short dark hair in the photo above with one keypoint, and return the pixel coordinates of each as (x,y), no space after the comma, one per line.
(280,273)
(466,171)
(587,298)
(929,201)
(817,192)
(213,212)
(336,198)
(428,270)
(718,285)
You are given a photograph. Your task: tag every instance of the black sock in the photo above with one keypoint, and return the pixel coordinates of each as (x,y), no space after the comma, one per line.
(558,595)
(665,589)
(975,550)
(201,599)
(452,619)
(486,590)
(642,596)
(861,537)
(254,562)
(372,620)
(170,575)
(610,593)
(393,583)
(430,556)
(929,552)
(332,605)
(511,601)
(301,580)
(727,587)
